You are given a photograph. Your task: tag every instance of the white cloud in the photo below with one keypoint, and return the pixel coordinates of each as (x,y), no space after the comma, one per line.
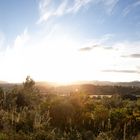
(48,10)
(64,7)
(38,56)
(13,59)
(130,7)
(123,55)
(47,13)
(78,4)
(98,42)
(21,39)
(2,40)
(53,56)
(110,5)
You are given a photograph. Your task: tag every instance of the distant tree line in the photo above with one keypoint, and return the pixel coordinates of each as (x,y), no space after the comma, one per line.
(94,89)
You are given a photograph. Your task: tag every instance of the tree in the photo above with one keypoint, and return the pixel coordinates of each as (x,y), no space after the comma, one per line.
(29,83)
(28,95)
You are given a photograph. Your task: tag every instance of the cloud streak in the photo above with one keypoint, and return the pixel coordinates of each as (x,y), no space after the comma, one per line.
(47,10)
(78,4)
(123,71)
(2,40)
(84,49)
(136,55)
(110,5)
(22,39)
(88,48)
(98,43)
(129,8)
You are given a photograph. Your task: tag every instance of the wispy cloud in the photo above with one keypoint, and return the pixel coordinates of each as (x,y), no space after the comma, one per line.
(48,10)
(136,55)
(110,5)
(138,67)
(130,7)
(14,58)
(2,40)
(88,48)
(78,4)
(64,7)
(22,39)
(122,71)
(84,49)
(97,43)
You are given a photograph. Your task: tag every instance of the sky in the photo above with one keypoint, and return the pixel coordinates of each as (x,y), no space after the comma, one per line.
(70,40)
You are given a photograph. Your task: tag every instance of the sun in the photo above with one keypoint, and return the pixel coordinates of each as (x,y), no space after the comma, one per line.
(60,61)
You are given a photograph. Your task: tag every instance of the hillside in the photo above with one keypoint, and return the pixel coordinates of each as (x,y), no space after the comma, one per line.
(92,87)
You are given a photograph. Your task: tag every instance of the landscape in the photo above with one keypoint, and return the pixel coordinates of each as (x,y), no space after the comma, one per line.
(69,69)
(43,111)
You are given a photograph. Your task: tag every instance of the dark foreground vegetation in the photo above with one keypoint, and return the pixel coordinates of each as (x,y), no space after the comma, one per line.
(25,114)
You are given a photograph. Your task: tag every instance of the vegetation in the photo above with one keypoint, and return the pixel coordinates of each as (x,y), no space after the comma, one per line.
(25,114)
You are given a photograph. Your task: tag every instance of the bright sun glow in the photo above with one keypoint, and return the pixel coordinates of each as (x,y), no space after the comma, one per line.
(65,41)
(58,59)
(68,64)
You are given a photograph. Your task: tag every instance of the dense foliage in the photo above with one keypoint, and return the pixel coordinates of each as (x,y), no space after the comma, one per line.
(25,114)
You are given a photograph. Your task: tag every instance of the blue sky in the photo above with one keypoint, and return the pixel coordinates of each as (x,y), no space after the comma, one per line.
(70,40)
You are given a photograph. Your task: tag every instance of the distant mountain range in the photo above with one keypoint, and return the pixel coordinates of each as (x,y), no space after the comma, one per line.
(89,87)
(100,83)
(132,83)
(3,82)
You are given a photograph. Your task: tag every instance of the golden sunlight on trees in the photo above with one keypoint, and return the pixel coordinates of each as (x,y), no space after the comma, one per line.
(25,114)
